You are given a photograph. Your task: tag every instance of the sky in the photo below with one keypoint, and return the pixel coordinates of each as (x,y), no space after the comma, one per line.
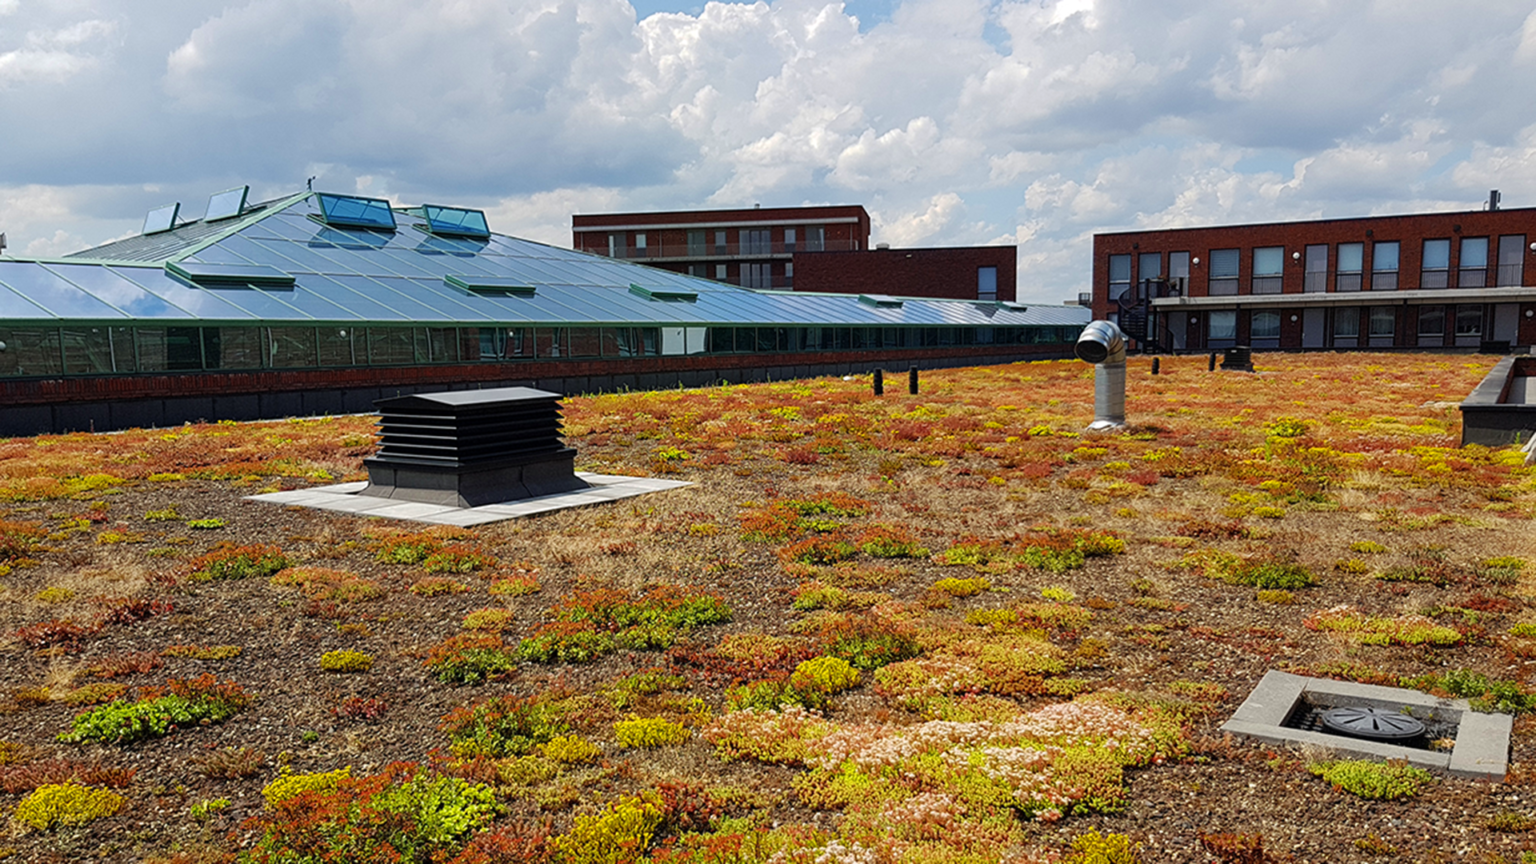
(954,122)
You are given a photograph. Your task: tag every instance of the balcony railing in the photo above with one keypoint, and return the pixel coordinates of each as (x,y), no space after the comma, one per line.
(727,250)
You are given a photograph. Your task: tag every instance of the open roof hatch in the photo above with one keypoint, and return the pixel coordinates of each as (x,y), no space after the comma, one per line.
(352,211)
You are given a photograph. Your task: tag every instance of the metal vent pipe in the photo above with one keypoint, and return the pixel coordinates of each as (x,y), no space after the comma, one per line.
(1102,344)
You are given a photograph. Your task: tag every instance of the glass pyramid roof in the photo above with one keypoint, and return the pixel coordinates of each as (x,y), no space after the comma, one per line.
(415,276)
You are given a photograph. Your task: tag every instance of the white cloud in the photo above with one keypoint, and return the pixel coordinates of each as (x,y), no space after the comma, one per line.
(955,121)
(54,55)
(918,226)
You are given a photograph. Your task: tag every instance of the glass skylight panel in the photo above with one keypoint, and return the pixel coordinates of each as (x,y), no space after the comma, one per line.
(57,295)
(455,221)
(15,307)
(227,204)
(161,219)
(354,212)
(663,294)
(363,240)
(187,303)
(496,286)
(210,275)
(285,255)
(357,303)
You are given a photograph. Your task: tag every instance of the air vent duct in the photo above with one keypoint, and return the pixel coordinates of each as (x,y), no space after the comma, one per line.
(468,448)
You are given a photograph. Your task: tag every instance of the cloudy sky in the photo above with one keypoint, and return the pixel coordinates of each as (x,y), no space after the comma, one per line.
(953,121)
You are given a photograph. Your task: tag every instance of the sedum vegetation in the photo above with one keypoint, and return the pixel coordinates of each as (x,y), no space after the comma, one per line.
(939,628)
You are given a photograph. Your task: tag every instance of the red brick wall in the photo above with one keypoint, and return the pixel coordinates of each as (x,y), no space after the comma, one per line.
(947,272)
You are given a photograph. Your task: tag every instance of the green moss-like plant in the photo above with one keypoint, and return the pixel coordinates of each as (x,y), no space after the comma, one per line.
(504,726)
(404,814)
(492,619)
(470,658)
(160,711)
(66,804)
(434,586)
(238,562)
(1377,781)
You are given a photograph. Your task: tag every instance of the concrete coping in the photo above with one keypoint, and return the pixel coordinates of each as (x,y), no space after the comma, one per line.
(1491,389)
(1482,740)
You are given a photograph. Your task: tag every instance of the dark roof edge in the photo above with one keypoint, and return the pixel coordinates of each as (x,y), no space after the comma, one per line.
(1433,213)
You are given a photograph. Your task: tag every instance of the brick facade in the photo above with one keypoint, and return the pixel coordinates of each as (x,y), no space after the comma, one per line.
(1449,302)
(829,251)
(943,272)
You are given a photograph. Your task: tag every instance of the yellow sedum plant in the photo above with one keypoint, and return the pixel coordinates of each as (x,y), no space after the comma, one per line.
(615,835)
(644,732)
(346,660)
(291,785)
(66,804)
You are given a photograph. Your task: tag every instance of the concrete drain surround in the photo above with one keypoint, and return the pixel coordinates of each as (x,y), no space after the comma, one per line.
(1282,704)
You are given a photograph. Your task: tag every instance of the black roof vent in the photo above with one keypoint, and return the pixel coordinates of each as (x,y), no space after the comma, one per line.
(468,448)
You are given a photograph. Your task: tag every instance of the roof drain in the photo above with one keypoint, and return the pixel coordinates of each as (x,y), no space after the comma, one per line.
(1375,724)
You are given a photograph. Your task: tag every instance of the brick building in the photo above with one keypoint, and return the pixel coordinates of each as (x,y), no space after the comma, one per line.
(752,247)
(815,249)
(960,272)
(1429,280)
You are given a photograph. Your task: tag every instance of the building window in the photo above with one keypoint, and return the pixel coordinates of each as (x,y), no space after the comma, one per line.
(789,239)
(986,283)
(1149,266)
(1266,325)
(616,245)
(1469,320)
(1224,264)
(699,270)
(1431,320)
(1268,269)
(696,244)
(720,246)
(1119,276)
(1178,267)
(1511,260)
(720,273)
(1223,324)
(1473,272)
(815,238)
(1351,262)
(754,241)
(789,274)
(1383,321)
(639,245)
(1346,322)
(1315,279)
(1384,266)
(1435,270)
(756,276)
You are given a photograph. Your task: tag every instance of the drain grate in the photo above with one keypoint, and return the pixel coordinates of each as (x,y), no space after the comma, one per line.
(1373,723)
(1368,723)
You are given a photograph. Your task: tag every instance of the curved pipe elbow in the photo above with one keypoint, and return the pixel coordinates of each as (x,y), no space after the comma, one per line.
(1101,342)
